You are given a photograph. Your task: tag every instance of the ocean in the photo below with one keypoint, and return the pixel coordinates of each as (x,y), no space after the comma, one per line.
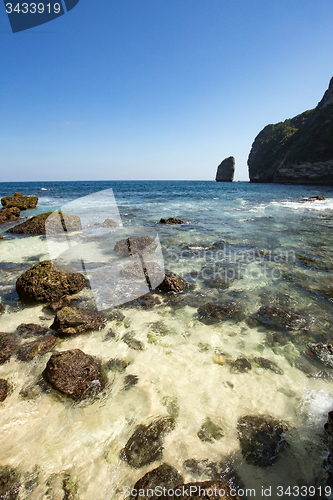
(257,246)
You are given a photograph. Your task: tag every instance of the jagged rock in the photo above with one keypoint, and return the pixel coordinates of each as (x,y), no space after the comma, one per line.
(75,374)
(212,313)
(31,349)
(226,169)
(19,201)
(317,197)
(9,214)
(214,490)
(47,283)
(210,431)
(135,245)
(10,483)
(267,364)
(65,301)
(298,150)
(146,443)
(70,321)
(26,330)
(36,225)
(240,365)
(261,439)
(172,220)
(4,386)
(164,476)
(278,317)
(171,283)
(8,346)
(129,339)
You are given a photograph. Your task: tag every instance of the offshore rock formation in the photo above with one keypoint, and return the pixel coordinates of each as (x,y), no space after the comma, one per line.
(298,150)
(226,169)
(19,201)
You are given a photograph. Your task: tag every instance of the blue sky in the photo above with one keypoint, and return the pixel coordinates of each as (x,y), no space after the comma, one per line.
(156,89)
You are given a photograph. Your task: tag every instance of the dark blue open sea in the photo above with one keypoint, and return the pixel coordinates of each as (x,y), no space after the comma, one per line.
(247,341)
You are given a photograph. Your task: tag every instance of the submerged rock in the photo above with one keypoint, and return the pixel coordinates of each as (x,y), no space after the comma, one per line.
(31,349)
(36,225)
(47,283)
(70,321)
(210,431)
(130,381)
(116,365)
(171,283)
(146,443)
(278,317)
(75,374)
(226,169)
(8,346)
(163,476)
(267,364)
(135,245)
(129,339)
(10,483)
(214,312)
(108,223)
(19,201)
(317,197)
(27,330)
(172,220)
(9,214)
(4,386)
(146,301)
(261,439)
(240,365)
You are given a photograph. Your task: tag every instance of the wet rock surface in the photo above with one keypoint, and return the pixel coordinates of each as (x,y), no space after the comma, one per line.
(164,476)
(4,386)
(146,301)
(71,321)
(316,197)
(278,317)
(209,431)
(146,443)
(171,283)
(267,364)
(135,245)
(31,349)
(116,365)
(36,225)
(27,330)
(322,352)
(132,342)
(9,214)
(47,283)
(75,374)
(215,312)
(19,201)
(240,365)
(65,301)
(8,346)
(10,483)
(261,439)
(172,220)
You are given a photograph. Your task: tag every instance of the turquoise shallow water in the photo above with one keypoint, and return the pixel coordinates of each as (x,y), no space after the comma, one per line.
(259,246)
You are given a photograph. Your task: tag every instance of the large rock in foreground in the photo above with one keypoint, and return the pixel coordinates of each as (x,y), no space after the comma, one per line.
(261,439)
(226,169)
(298,150)
(75,374)
(46,283)
(19,201)
(56,224)
(70,321)
(146,443)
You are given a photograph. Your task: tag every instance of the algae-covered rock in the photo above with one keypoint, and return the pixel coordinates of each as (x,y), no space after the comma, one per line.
(9,214)
(27,330)
(36,225)
(71,321)
(172,220)
(46,283)
(31,349)
(278,317)
(19,201)
(261,439)
(163,476)
(146,443)
(209,431)
(75,374)
(172,283)
(215,312)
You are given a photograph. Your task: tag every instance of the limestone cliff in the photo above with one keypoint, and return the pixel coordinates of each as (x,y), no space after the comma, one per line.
(298,150)
(226,169)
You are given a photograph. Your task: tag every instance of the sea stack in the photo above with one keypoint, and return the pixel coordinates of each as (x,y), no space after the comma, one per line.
(226,169)
(298,150)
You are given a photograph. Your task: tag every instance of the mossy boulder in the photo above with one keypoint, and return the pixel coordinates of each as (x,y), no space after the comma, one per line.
(19,201)
(56,224)
(74,373)
(71,321)
(9,214)
(45,282)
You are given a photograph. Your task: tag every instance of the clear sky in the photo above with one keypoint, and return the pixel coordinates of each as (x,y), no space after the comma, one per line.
(156,89)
